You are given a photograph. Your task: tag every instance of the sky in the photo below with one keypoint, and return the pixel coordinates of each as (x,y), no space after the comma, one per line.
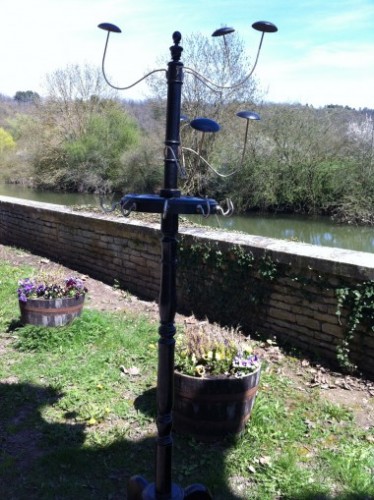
(323,52)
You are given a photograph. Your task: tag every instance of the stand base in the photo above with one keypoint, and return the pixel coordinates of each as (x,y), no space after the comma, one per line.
(140,489)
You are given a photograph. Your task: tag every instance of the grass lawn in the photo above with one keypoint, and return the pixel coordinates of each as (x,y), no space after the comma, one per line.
(77,413)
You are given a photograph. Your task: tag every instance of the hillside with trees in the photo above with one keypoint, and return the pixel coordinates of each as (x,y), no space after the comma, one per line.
(83,138)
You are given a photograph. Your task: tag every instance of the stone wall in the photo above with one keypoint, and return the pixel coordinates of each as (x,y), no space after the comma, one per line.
(269,286)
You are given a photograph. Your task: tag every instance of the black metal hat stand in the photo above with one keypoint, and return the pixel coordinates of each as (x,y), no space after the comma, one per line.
(170,204)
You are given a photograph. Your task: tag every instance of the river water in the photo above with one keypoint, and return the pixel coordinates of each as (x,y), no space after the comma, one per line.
(315,230)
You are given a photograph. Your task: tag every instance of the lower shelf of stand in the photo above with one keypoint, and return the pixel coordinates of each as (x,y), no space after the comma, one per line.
(151,203)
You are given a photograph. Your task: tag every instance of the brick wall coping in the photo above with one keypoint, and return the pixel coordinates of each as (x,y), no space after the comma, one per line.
(342,262)
(349,263)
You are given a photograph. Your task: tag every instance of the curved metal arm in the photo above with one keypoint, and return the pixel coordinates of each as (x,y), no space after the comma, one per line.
(208,164)
(204,80)
(264,27)
(208,83)
(129,86)
(180,166)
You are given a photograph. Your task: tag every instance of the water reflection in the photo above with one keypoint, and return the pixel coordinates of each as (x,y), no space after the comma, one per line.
(317,230)
(48,196)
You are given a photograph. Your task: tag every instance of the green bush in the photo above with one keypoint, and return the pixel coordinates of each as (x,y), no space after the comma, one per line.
(91,158)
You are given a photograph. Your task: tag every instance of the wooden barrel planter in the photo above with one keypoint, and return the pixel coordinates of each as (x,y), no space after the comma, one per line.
(210,409)
(51,312)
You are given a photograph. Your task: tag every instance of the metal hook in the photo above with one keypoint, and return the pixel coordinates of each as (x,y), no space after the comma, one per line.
(202,211)
(127,211)
(229,211)
(106,209)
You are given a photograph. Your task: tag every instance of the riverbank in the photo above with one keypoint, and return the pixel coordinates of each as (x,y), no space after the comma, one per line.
(320,231)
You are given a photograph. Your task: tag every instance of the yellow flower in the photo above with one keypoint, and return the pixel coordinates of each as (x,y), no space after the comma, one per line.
(219,356)
(247,350)
(199,370)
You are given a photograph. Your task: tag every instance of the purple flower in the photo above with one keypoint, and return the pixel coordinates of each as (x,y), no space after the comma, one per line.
(249,363)
(71,287)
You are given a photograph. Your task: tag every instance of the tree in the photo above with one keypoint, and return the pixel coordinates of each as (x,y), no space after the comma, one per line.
(6,141)
(357,204)
(83,132)
(75,83)
(305,143)
(307,160)
(89,159)
(224,61)
(27,96)
(7,146)
(74,93)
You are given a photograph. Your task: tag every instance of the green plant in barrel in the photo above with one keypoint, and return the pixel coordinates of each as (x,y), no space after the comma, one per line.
(216,378)
(205,350)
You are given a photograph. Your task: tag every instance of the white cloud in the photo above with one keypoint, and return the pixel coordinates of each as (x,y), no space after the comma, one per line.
(348,16)
(323,52)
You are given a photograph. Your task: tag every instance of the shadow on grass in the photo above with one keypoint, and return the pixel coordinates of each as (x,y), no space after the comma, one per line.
(43,460)
(13,325)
